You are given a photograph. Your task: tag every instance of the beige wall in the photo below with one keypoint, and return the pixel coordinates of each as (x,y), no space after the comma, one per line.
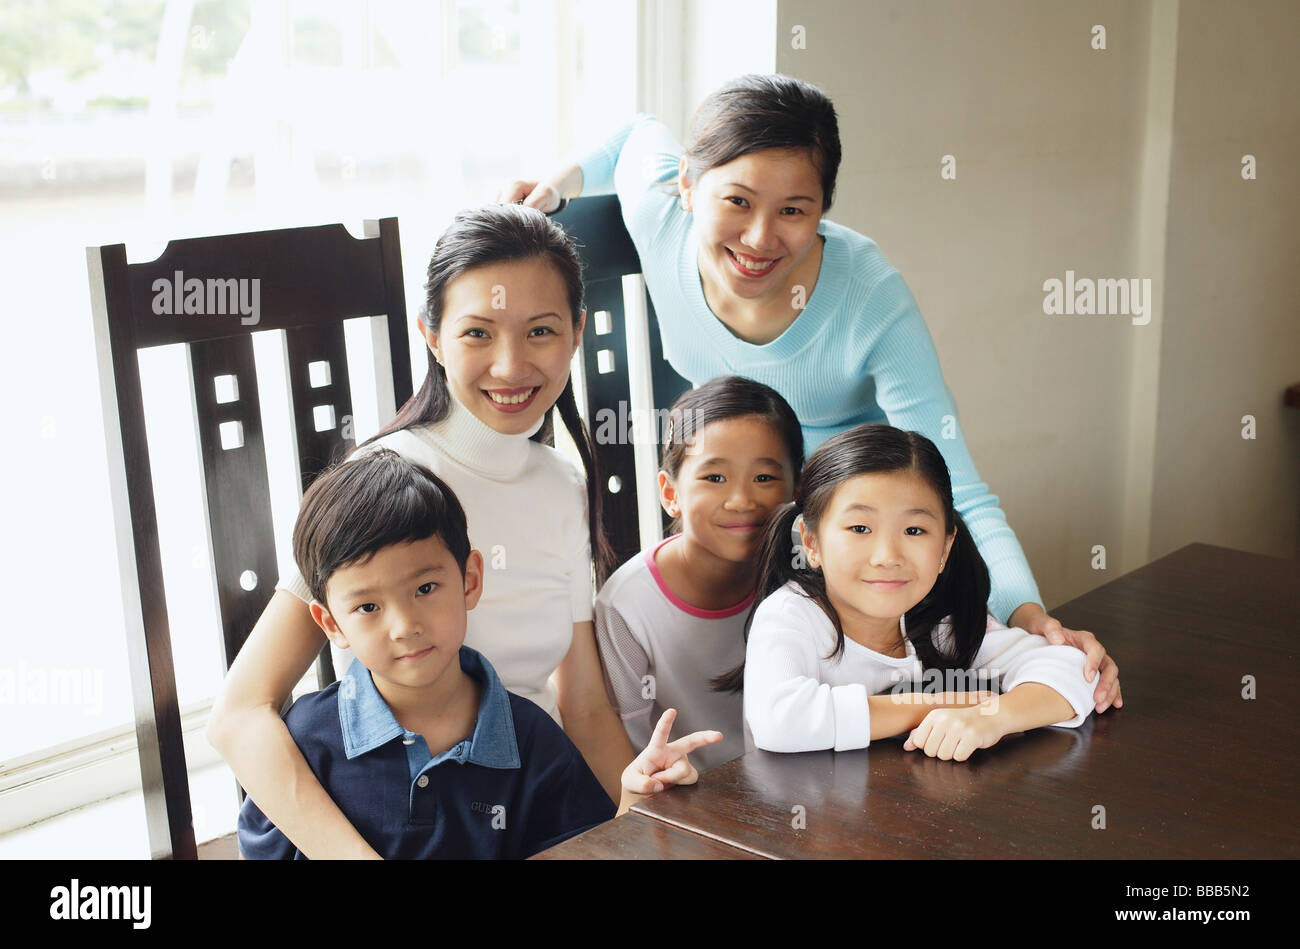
(1231,342)
(1064,161)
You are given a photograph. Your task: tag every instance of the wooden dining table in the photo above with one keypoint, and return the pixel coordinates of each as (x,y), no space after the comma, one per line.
(1201,761)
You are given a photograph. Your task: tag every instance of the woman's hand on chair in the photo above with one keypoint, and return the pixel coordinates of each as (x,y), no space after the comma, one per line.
(545,195)
(542,195)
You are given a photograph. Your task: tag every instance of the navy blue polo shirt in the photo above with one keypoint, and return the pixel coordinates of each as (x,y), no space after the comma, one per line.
(517,786)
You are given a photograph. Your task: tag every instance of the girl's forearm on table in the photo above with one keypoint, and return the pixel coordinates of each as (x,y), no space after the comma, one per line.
(1031,705)
(896,714)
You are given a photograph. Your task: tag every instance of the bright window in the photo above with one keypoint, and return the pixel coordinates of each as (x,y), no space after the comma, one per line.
(142,120)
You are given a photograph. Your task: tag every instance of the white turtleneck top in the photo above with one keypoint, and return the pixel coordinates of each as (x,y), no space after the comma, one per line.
(526,508)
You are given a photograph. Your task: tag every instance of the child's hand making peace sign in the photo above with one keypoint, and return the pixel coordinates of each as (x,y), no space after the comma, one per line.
(663,763)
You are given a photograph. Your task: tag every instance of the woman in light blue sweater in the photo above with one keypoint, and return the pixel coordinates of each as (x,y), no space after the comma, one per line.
(749,278)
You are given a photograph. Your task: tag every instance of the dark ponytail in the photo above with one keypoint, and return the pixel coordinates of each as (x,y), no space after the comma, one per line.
(780,560)
(431,402)
(961,591)
(492,234)
(601,551)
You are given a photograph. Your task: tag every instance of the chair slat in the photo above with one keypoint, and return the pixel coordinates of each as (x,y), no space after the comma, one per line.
(393,358)
(608,412)
(321,345)
(236,489)
(668,383)
(148,636)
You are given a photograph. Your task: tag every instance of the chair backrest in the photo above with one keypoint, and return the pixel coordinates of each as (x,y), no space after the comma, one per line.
(626,382)
(211,294)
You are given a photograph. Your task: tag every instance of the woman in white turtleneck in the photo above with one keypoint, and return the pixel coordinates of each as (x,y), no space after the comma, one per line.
(503,320)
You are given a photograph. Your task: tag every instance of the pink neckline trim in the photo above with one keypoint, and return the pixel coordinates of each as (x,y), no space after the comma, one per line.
(677,601)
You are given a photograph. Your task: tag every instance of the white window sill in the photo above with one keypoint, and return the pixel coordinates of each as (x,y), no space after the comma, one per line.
(114,829)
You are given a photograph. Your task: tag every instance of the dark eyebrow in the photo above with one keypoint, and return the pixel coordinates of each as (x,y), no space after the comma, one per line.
(793,197)
(716,460)
(920,511)
(488,319)
(418,572)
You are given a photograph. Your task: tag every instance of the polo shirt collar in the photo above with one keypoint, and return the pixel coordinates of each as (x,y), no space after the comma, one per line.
(368,722)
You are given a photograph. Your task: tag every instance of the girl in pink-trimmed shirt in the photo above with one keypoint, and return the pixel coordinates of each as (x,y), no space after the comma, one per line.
(672,618)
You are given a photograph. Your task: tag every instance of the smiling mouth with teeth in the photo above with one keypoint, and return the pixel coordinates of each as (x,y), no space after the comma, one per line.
(515,399)
(755,265)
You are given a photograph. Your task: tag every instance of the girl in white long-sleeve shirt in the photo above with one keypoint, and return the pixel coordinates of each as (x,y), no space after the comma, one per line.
(886,593)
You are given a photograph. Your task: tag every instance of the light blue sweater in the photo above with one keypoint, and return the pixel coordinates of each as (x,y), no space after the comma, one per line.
(858,352)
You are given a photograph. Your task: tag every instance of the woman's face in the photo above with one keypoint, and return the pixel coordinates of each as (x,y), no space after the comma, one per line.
(506,341)
(757,218)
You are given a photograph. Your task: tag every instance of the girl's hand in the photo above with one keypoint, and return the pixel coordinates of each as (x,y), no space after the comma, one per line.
(1038,622)
(543,195)
(953,734)
(663,762)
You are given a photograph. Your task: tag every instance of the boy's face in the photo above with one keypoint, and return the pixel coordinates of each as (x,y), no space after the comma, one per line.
(402,612)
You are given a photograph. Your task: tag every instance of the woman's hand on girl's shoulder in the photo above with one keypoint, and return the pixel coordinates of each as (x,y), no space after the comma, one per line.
(665,763)
(1098,666)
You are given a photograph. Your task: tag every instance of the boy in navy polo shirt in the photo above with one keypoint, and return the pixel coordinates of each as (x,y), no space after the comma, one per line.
(419,744)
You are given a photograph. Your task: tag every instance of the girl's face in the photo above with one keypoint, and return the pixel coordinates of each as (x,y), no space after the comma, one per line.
(734,473)
(506,341)
(880,545)
(756,217)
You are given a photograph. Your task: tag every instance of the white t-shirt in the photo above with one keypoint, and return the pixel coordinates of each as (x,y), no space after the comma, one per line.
(526,510)
(796,699)
(660,652)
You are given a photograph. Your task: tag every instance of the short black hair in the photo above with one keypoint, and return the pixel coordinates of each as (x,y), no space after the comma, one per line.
(378,499)
(756,112)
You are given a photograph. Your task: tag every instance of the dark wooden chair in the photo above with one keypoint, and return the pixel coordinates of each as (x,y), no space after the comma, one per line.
(308,280)
(625,374)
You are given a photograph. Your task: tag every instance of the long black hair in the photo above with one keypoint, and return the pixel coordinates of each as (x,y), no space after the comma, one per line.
(487,235)
(723,398)
(961,591)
